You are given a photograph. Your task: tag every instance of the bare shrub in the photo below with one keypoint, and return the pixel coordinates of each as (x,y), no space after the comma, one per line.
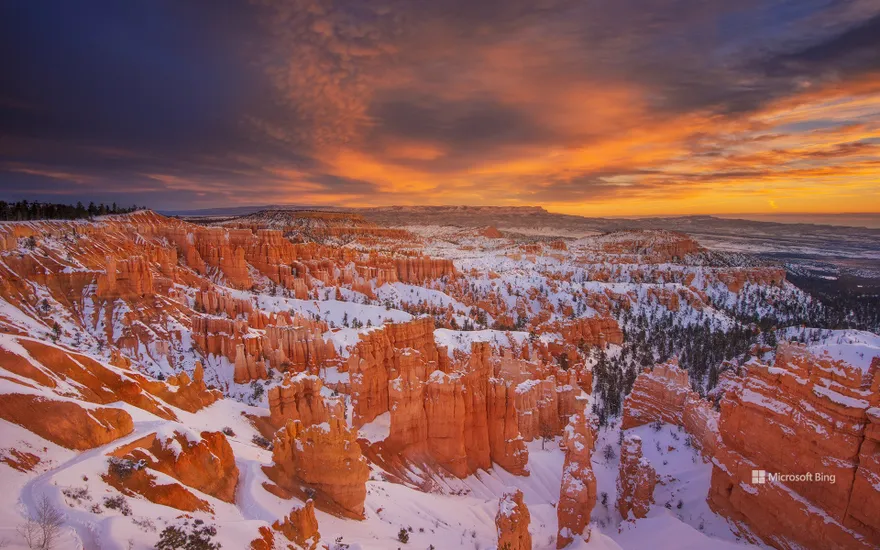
(42,529)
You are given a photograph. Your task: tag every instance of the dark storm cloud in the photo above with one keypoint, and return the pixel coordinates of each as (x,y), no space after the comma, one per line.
(855,50)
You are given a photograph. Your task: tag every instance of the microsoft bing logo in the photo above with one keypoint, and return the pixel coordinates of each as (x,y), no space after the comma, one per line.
(759,477)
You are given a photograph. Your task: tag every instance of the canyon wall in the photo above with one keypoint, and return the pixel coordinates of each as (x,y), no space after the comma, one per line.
(804,414)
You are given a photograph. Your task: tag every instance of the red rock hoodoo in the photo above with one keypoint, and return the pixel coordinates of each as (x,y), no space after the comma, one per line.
(577,494)
(301,526)
(512,521)
(325,457)
(636,480)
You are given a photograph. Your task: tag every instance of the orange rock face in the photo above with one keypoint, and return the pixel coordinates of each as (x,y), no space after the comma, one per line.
(446,417)
(506,444)
(301,526)
(206,464)
(512,521)
(141,482)
(372,364)
(130,278)
(591,331)
(190,395)
(475,380)
(490,232)
(636,480)
(657,394)
(406,398)
(577,493)
(326,458)
(298,398)
(736,279)
(652,246)
(64,422)
(664,394)
(265,540)
(802,415)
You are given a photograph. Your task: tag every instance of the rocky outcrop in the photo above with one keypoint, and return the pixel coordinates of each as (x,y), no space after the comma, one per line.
(66,423)
(298,398)
(657,394)
(577,492)
(863,512)
(635,481)
(214,302)
(372,363)
(506,444)
(512,521)
(191,395)
(804,415)
(422,268)
(490,232)
(475,381)
(326,458)
(586,331)
(132,481)
(204,462)
(406,399)
(126,279)
(265,540)
(654,246)
(300,346)
(301,526)
(663,394)
(446,417)
(736,278)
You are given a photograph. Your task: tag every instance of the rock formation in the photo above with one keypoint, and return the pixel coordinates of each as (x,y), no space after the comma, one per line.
(635,481)
(446,416)
(65,422)
(406,399)
(372,364)
(203,462)
(803,415)
(326,458)
(265,540)
(590,331)
(577,493)
(664,394)
(512,521)
(125,279)
(506,444)
(298,398)
(301,526)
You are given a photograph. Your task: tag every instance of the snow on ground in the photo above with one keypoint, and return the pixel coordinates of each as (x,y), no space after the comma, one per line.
(856,347)
(332,311)
(460,514)
(461,340)
(378,429)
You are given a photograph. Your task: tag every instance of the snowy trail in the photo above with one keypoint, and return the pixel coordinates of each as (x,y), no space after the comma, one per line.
(35,489)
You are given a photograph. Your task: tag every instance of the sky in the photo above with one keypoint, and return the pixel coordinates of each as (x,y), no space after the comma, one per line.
(592,107)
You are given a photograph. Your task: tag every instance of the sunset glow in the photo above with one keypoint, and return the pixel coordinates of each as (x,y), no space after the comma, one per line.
(640,108)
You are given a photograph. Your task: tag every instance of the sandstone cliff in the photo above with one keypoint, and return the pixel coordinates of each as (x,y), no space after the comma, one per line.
(803,414)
